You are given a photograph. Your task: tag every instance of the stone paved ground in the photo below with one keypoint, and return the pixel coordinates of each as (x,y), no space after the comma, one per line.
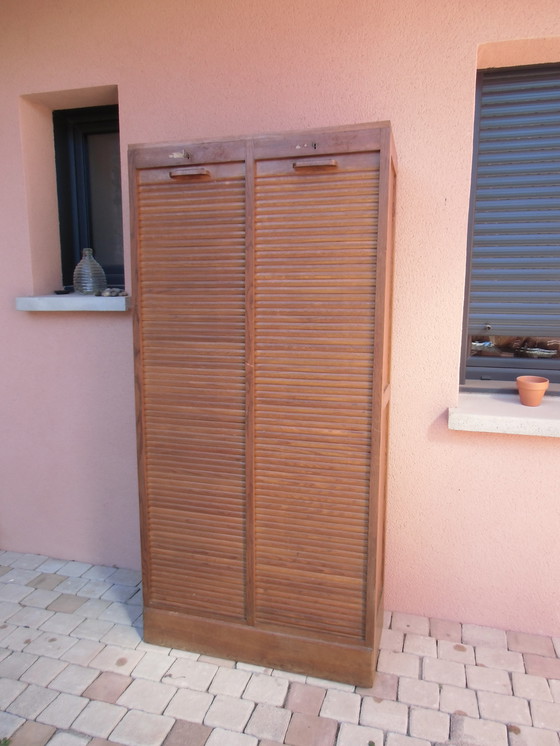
(74,671)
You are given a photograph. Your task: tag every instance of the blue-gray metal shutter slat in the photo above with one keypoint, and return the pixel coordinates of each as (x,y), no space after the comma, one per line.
(515,272)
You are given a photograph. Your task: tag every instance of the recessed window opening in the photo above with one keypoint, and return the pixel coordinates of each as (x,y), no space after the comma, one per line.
(512,311)
(89,189)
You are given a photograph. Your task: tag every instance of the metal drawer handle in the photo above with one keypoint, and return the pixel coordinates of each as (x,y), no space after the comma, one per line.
(189,171)
(315,163)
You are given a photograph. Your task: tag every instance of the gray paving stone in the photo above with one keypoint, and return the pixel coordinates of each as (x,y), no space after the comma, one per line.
(142,729)
(31,702)
(62,711)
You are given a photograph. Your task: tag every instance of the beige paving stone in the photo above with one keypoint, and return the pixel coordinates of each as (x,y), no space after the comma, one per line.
(61,623)
(92,629)
(142,729)
(358,735)
(100,572)
(266,689)
(268,721)
(121,613)
(62,711)
(71,586)
(475,634)
(554,685)
(9,724)
(546,714)
(538,665)
(343,706)
(184,733)
(126,576)
(31,702)
(458,701)
(443,672)
(253,667)
(400,664)
(307,730)
(74,569)
(384,686)
(189,705)
(68,739)
(40,598)
(15,664)
(305,698)
(503,708)
(420,645)
(32,734)
(455,651)
(416,692)
(99,719)
(19,576)
(178,653)
(82,652)
(489,679)
(74,679)
(396,739)
(525,736)
(50,644)
(29,616)
(9,690)
(66,602)
(476,732)
(499,658)
(229,712)
(229,681)
(94,589)
(107,687)
(123,635)
(220,662)
(148,696)
(328,684)
(412,623)
(221,737)
(289,675)
(525,643)
(117,659)
(386,715)
(428,724)
(43,671)
(392,639)
(442,629)
(91,608)
(531,687)
(191,674)
(153,666)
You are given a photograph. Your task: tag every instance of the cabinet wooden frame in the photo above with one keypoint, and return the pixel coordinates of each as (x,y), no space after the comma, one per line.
(251,623)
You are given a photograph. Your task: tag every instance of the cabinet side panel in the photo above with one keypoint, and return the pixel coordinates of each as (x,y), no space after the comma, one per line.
(191,327)
(315,282)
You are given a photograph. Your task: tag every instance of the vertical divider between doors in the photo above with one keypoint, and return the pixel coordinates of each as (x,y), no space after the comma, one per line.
(250,381)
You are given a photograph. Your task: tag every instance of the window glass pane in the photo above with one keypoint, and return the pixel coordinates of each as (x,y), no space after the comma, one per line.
(105,195)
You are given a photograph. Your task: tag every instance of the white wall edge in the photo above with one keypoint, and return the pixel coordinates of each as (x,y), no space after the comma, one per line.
(73,302)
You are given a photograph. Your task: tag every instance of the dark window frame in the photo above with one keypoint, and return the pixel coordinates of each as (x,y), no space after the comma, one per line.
(71,130)
(495,368)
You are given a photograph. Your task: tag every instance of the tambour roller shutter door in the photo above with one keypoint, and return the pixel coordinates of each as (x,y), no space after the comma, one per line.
(191,274)
(263,274)
(315,271)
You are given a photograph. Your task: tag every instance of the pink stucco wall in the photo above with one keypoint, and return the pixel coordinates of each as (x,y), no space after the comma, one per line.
(473,519)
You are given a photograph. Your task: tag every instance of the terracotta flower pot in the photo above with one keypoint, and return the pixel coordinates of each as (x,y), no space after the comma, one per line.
(531,389)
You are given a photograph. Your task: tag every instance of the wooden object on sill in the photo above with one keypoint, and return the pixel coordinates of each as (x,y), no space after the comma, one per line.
(262,366)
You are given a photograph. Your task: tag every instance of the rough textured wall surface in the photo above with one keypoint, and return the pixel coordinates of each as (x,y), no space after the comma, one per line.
(473,519)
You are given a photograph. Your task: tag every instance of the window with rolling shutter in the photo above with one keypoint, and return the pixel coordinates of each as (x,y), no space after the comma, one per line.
(513,279)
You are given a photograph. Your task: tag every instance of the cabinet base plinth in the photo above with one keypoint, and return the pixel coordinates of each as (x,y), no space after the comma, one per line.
(348,663)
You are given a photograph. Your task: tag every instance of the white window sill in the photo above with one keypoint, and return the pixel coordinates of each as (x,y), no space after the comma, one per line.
(500,411)
(73,302)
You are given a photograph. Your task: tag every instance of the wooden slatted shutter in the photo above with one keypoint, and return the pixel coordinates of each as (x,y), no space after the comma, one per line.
(263,277)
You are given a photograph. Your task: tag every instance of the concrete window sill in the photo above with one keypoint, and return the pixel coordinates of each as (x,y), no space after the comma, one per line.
(498,410)
(72,302)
